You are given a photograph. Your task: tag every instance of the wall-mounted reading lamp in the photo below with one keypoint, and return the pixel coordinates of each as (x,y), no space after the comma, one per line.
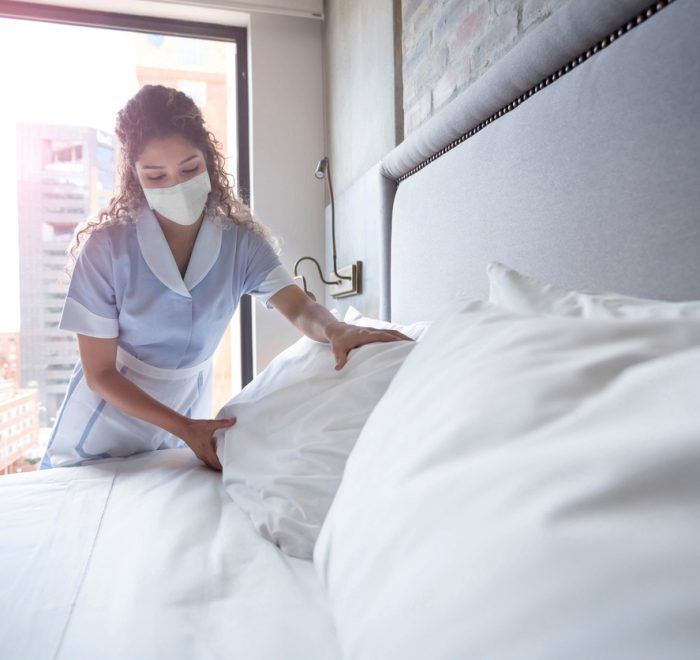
(347,280)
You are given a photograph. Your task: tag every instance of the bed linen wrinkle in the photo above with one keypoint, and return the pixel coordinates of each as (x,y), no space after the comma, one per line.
(90,552)
(43,569)
(204,585)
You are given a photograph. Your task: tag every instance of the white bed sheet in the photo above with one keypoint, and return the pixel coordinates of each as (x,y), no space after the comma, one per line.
(148,557)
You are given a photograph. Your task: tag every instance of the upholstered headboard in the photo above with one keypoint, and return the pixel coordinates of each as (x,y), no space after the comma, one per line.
(576,159)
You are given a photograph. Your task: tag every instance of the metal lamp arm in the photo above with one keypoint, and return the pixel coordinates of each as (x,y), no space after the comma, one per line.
(320,272)
(330,190)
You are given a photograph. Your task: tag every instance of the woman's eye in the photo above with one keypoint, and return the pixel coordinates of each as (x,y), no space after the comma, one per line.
(162,176)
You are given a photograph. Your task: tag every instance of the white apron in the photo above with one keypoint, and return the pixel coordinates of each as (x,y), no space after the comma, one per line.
(87,427)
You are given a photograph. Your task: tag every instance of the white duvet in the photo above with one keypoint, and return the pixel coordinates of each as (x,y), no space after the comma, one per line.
(148,557)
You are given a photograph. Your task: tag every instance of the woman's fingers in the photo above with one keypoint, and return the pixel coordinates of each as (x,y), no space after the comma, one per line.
(210,459)
(218,424)
(205,443)
(394,334)
(215,463)
(401,335)
(385,335)
(203,457)
(341,355)
(340,360)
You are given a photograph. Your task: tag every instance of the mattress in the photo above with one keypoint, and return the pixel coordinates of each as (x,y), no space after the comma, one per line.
(147,557)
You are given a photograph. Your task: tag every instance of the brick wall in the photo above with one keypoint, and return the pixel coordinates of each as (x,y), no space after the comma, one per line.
(447,44)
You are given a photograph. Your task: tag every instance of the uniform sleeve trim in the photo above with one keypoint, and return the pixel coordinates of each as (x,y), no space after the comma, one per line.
(78,318)
(274,281)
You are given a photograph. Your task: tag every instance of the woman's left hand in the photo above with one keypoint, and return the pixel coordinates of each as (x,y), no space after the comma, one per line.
(343,337)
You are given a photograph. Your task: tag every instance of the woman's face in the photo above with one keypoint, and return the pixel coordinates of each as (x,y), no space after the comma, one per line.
(165,162)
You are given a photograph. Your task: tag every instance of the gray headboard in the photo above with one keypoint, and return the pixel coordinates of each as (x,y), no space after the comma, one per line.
(590,180)
(575,158)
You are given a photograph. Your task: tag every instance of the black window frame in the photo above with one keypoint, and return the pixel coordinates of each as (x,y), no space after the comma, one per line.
(177,28)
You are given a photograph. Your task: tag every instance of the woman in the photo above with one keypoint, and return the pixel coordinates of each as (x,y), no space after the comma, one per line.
(155,285)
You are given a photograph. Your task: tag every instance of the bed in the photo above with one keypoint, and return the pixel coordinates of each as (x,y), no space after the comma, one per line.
(574,160)
(147,557)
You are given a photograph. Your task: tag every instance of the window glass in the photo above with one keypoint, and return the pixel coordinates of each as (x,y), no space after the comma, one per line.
(61,169)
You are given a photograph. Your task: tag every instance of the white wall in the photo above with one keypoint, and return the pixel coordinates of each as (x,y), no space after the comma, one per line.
(364,120)
(224,12)
(287,140)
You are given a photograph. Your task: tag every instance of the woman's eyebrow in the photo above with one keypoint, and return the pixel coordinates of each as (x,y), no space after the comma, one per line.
(189,158)
(160,167)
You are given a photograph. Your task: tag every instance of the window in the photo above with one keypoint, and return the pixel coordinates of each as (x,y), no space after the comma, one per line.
(195,89)
(67,155)
(106,179)
(105,155)
(191,52)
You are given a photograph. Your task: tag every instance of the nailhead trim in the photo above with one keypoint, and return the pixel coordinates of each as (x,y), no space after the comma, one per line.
(596,48)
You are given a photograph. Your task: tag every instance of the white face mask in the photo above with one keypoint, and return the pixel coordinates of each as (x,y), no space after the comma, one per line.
(182,203)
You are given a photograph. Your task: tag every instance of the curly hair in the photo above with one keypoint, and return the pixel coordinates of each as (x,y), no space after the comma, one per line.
(156,111)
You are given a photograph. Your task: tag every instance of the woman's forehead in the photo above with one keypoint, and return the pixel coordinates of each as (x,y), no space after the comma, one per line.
(171,150)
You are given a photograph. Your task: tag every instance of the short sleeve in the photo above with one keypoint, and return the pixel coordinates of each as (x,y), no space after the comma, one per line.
(265,274)
(90,307)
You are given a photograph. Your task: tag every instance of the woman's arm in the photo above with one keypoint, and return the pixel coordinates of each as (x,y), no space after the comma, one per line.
(98,357)
(315,321)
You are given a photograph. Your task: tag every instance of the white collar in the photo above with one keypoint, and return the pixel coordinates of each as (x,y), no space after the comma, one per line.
(159,257)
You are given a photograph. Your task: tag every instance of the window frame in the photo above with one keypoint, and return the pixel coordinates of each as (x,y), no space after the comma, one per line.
(176,28)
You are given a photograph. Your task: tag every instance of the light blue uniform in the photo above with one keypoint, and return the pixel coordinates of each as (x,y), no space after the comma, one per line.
(126,284)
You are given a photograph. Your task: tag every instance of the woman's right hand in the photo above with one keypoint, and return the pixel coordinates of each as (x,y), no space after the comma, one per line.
(197,433)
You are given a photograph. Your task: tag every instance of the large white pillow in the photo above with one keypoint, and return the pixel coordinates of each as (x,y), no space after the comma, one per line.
(296,423)
(523,293)
(528,487)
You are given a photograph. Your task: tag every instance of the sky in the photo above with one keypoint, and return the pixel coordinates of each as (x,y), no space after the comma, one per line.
(52,74)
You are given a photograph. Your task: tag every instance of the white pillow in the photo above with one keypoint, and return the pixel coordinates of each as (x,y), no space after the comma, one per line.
(413,330)
(528,487)
(522,293)
(296,423)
